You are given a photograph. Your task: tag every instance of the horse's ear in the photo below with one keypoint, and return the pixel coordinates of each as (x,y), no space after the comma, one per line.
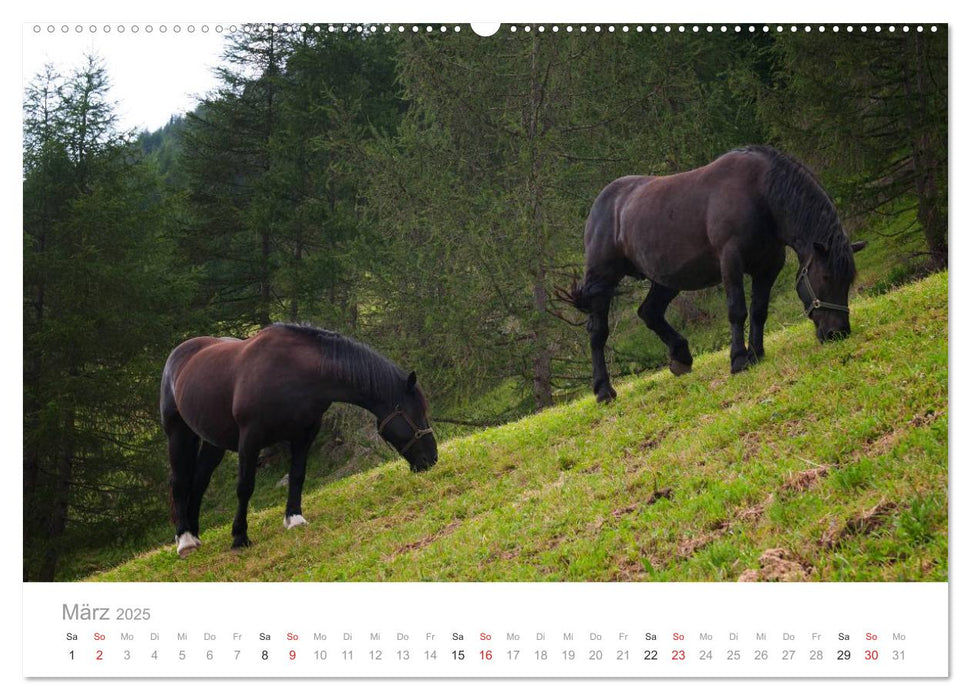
(412,380)
(857,246)
(821,248)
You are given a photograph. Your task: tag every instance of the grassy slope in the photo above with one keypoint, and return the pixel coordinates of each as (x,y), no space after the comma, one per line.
(892,257)
(836,454)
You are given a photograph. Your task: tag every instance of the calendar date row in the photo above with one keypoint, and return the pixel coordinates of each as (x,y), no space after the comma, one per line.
(486,655)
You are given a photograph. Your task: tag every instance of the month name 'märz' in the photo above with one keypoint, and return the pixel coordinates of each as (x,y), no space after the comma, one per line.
(83,612)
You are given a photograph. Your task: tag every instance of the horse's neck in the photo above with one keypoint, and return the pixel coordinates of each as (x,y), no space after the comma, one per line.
(802,245)
(803,250)
(795,237)
(361,393)
(377,406)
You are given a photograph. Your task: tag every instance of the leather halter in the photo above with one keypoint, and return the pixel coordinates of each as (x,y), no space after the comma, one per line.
(816,303)
(419,432)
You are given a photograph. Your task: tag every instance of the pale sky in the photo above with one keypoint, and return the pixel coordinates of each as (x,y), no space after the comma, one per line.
(153,74)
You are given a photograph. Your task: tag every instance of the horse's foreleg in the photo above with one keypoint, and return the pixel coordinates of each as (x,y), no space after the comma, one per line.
(183,446)
(249,452)
(209,458)
(299,449)
(652,312)
(759,311)
(599,329)
(732,277)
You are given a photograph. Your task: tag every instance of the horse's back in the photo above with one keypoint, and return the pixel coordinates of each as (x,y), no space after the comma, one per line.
(685,201)
(672,228)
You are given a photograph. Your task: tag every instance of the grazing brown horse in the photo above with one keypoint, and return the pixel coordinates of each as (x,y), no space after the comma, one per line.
(730,218)
(223,394)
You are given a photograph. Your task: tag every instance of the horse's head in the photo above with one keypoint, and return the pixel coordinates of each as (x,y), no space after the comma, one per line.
(406,427)
(824,288)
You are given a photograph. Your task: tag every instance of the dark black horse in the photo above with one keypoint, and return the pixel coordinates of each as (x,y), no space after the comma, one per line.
(223,394)
(692,230)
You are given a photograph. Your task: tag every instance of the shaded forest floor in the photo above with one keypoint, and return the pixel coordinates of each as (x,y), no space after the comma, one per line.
(821,463)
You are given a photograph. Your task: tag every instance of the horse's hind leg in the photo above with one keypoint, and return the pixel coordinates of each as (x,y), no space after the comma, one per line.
(594,297)
(209,458)
(599,329)
(183,447)
(299,449)
(652,312)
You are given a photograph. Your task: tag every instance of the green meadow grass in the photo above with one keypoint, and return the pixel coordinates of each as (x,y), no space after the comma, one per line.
(820,463)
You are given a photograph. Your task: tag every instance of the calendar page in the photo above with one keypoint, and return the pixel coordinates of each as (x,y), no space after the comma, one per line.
(360,349)
(622,630)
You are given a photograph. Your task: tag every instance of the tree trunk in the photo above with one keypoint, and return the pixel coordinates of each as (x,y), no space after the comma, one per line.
(542,385)
(295,292)
(270,76)
(263,314)
(57,523)
(926,165)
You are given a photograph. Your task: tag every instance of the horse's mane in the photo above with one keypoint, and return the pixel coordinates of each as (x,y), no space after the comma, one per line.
(354,362)
(794,192)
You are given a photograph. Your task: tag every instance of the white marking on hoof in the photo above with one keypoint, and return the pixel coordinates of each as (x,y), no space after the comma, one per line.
(186,544)
(292,521)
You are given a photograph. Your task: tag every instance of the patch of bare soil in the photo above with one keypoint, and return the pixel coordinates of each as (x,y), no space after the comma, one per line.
(428,539)
(803,480)
(859,525)
(883,444)
(654,498)
(509,554)
(629,569)
(667,493)
(620,512)
(755,512)
(688,547)
(652,441)
(924,419)
(777,565)
(888,441)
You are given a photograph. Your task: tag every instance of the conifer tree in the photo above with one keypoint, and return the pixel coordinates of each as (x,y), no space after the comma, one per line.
(99,300)
(870,112)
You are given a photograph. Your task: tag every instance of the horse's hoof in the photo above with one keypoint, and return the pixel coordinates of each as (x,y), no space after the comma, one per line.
(741,364)
(186,544)
(292,521)
(606,395)
(678,368)
(240,542)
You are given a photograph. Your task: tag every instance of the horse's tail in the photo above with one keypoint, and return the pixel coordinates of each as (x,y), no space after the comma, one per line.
(169,411)
(600,250)
(582,295)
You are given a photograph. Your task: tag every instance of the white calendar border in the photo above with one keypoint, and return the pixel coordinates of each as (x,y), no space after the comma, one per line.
(510,10)
(487,630)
